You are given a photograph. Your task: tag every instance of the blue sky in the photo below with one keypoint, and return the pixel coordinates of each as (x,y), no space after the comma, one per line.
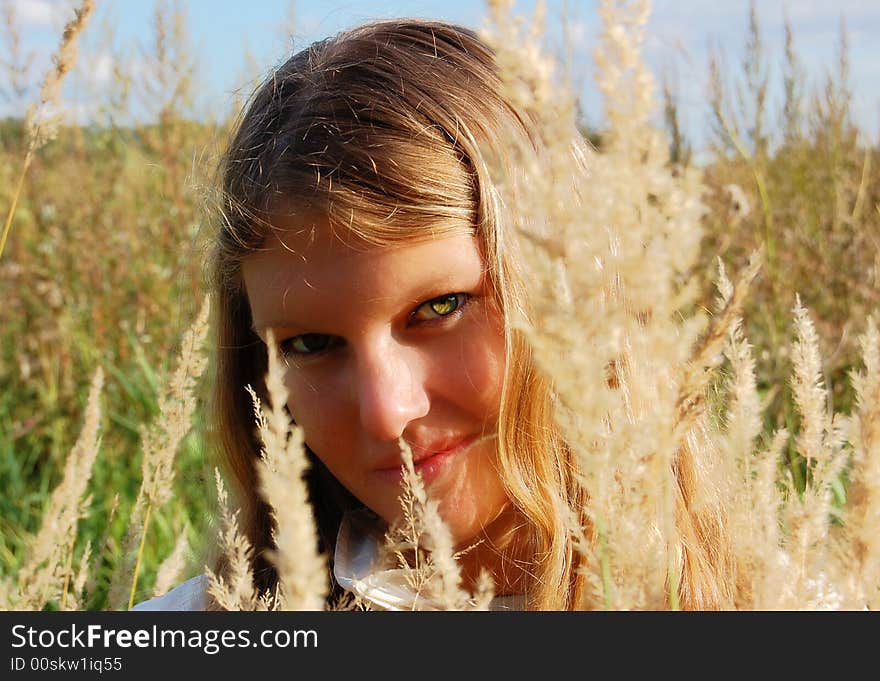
(235,41)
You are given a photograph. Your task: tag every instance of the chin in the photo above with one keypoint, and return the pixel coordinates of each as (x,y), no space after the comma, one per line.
(468,524)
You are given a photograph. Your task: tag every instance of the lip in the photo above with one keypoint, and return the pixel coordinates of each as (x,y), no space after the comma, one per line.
(429,461)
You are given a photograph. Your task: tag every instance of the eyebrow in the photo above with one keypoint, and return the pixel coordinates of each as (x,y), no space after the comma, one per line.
(272,325)
(437,288)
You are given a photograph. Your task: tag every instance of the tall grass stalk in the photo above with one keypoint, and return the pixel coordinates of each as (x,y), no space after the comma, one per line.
(610,239)
(612,266)
(234,590)
(172,567)
(862,514)
(41,124)
(302,570)
(422,543)
(44,575)
(160,442)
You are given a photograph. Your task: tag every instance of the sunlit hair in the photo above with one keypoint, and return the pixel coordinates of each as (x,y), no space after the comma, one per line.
(397,131)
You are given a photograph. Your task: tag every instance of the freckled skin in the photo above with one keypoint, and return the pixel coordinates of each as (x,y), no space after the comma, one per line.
(387,375)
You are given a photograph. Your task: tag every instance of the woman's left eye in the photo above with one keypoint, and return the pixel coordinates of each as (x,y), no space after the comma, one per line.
(440,307)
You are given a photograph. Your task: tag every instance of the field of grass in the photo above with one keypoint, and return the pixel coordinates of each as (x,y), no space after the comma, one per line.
(103,268)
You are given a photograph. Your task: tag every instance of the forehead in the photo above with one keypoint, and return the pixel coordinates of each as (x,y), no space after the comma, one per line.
(307,272)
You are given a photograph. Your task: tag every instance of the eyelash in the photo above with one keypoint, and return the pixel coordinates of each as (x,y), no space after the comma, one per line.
(463,301)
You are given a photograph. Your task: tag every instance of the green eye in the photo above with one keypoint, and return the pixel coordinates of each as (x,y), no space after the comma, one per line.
(313,344)
(445,305)
(442,306)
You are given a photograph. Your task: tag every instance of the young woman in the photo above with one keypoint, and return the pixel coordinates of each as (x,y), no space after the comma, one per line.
(363,227)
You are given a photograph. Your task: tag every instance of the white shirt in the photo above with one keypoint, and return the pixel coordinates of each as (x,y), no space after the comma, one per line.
(356,567)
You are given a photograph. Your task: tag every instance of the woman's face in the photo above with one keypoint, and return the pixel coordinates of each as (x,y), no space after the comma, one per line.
(384,343)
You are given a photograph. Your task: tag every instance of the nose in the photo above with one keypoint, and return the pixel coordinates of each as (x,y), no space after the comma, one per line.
(391,389)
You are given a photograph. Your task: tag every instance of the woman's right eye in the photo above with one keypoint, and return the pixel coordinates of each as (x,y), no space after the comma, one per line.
(307,344)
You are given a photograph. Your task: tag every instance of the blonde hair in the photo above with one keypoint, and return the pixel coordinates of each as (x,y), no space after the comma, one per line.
(396,131)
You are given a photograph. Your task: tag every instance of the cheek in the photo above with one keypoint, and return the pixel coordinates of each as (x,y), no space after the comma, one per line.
(481,361)
(318,411)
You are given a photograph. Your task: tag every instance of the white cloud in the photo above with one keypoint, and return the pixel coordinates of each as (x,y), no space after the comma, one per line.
(100,69)
(815,22)
(579,31)
(769,10)
(33,13)
(681,31)
(821,10)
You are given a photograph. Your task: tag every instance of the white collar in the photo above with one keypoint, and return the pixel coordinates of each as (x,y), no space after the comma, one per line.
(358,568)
